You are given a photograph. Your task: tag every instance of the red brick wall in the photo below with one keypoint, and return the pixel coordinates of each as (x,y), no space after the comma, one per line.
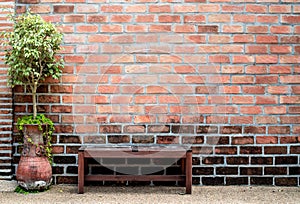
(220,75)
(5,100)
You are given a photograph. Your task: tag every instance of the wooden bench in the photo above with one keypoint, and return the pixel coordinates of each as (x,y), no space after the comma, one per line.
(181,153)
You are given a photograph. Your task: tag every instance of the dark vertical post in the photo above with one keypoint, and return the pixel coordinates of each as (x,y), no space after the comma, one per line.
(80,171)
(188,172)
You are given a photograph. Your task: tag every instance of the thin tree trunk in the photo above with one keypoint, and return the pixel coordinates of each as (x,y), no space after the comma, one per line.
(34,101)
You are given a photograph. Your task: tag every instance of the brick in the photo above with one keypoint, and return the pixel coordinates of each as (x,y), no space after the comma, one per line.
(143,139)
(286,160)
(261,180)
(236,180)
(192,140)
(167,140)
(275,150)
(219,18)
(159,8)
(227,170)
(219,59)
(29,1)
(266,100)
(121,18)
(136,9)
(98,38)
(120,119)
(242,59)
(203,171)
(241,119)
(289,119)
(74,18)
(112,28)
(294,170)
(266,79)
(136,28)
(184,28)
(110,129)
(232,29)
(85,8)
(226,150)
(262,160)
(256,8)
(96,18)
(266,140)
(267,19)
(145,18)
(286,181)
(280,29)
(290,39)
(253,89)
(290,19)
(244,18)
(257,49)
(94,139)
(280,69)
(158,129)
(116,139)
(186,129)
(208,29)
(242,100)
(279,8)
(279,130)
(232,8)
(295,149)
(296,89)
(219,39)
(63,8)
(294,109)
(193,19)
(237,160)
(213,160)
(255,129)
(257,29)
(213,181)
(275,110)
(169,18)
(184,8)
(230,89)
(242,140)
(144,119)
(250,150)
(112,8)
(64,159)
(214,140)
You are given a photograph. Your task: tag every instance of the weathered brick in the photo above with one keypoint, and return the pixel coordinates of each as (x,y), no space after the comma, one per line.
(213,181)
(251,171)
(261,180)
(118,139)
(236,180)
(286,181)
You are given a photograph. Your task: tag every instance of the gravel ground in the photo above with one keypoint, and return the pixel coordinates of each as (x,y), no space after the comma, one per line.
(156,194)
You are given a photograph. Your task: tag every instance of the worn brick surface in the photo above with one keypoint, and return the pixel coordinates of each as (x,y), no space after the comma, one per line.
(220,76)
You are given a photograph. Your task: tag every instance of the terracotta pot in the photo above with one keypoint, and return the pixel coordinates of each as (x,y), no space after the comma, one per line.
(34,171)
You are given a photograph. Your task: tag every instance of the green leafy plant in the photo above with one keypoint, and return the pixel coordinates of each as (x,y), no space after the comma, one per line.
(31,54)
(24,191)
(40,120)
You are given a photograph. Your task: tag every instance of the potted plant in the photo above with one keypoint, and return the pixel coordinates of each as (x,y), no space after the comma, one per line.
(32,46)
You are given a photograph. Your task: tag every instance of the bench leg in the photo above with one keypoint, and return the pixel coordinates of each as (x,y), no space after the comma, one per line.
(80,172)
(188,173)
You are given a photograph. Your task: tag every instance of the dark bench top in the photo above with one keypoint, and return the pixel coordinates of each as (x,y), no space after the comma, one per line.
(135,151)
